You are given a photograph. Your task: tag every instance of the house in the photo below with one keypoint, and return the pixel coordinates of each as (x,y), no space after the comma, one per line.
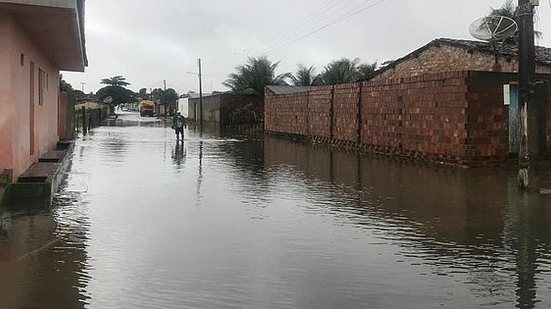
(226,108)
(39,39)
(444,102)
(449,55)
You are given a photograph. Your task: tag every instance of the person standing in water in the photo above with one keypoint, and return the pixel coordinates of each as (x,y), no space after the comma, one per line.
(178,123)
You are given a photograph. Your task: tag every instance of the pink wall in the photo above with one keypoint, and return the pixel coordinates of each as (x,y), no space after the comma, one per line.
(15,105)
(5,94)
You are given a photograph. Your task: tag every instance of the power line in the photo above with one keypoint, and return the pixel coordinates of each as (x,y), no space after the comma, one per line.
(311,20)
(336,13)
(316,13)
(290,34)
(348,14)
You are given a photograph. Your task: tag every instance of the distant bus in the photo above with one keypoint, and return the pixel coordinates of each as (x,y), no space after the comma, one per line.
(147,108)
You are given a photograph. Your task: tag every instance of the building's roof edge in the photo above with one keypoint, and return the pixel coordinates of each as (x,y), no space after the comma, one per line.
(543,54)
(288,89)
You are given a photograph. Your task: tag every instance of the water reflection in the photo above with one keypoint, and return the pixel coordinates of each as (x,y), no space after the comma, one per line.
(43,259)
(472,222)
(179,154)
(224,221)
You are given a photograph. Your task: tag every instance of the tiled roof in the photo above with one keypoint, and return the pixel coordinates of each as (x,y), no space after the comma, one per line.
(543,54)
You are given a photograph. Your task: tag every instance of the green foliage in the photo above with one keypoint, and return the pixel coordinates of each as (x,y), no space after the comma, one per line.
(116,89)
(306,76)
(80,95)
(509,9)
(346,71)
(117,81)
(165,96)
(365,70)
(170,96)
(255,75)
(119,94)
(142,93)
(63,85)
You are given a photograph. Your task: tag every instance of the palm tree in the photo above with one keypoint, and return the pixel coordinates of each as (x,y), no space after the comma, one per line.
(366,70)
(306,76)
(509,9)
(117,81)
(341,72)
(255,75)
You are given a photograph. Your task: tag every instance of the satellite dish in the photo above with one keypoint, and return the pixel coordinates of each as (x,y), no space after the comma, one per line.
(493,28)
(108,100)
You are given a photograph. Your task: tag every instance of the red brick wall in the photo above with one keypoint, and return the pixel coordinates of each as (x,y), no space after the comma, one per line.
(455,117)
(487,121)
(286,113)
(345,112)
(319,112)
(420,116)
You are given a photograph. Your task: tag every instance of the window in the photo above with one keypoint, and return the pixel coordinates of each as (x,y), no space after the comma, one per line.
(41,86)
(22,59)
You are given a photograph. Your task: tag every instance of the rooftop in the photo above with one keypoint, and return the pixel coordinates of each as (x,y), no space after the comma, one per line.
(543,54)
(288,89)
(56,26)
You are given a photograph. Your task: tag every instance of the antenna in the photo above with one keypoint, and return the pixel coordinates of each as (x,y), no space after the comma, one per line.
(493,28)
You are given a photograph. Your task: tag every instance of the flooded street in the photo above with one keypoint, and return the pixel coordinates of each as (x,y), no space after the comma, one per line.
(227,221)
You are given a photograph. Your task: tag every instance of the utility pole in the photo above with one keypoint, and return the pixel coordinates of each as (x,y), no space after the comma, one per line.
(83,83)
(200,93)
(529,141)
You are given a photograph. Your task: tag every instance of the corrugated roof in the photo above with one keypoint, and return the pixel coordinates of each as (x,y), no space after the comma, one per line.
(288,89)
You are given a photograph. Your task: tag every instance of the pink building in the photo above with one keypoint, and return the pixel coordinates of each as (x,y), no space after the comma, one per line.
(38,39)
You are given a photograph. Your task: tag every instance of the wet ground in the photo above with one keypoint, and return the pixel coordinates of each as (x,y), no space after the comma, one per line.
(228,221)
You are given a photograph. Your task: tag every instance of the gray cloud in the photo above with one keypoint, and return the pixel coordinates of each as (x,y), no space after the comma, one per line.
(148,41)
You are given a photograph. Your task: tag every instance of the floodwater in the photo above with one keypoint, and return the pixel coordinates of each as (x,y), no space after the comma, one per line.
(228,221)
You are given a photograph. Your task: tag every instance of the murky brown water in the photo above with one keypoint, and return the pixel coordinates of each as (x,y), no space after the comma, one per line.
(268,223)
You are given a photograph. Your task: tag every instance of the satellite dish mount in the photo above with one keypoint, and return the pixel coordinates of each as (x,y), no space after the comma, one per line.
(494,30)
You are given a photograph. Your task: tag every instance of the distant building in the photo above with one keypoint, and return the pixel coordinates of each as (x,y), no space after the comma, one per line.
(39,38)
(227,108)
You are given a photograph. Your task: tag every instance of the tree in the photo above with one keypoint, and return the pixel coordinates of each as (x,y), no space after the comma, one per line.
(347,71)
(306,76)
(142,93)
(156,94)
(117,81)
(509,9)
(255,75)
(119,94)
(116,89)
(170,96)
(79,94)
(366,70)
(64,85)
(341,72)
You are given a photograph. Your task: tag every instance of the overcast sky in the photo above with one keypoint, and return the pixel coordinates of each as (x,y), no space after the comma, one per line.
(149,41)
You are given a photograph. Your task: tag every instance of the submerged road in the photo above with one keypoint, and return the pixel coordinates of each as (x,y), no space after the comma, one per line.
(229,221)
